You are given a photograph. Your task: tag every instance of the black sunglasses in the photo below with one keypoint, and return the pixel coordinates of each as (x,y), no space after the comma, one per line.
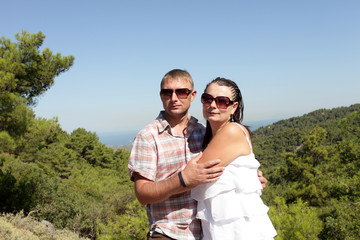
(221,101)
(181,93)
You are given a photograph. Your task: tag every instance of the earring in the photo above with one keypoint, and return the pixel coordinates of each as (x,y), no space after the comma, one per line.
(232,118)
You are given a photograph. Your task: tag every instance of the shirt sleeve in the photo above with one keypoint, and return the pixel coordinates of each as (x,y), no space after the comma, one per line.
(143,157)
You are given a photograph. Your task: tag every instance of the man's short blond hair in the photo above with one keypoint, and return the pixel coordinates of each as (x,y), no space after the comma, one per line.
(178,74)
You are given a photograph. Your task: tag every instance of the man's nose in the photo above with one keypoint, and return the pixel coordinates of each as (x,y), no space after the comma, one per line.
(174,97)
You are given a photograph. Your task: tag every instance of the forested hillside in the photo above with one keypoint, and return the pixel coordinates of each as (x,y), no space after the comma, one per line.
(287,135)
(313,163)
(72,181)
(59,185)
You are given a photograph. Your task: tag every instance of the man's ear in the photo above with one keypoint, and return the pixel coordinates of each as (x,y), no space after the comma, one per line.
(193,95)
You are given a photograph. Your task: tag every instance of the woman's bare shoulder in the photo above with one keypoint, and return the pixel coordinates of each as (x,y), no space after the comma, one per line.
(232,131)
(236,134)
(229,143)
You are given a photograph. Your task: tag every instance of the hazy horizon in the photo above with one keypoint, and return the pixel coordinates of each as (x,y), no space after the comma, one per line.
(126,137)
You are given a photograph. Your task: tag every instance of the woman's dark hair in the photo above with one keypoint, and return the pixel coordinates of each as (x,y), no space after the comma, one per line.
(236,97)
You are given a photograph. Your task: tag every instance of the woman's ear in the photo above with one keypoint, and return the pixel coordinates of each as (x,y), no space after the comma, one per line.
(235,105)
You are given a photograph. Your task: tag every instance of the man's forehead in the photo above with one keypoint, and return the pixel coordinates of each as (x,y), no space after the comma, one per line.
(177,81)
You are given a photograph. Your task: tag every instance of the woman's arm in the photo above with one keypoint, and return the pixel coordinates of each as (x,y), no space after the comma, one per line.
(229,143)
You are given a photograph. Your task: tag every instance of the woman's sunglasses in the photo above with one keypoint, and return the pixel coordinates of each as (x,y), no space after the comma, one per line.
(221,101)
(181,93)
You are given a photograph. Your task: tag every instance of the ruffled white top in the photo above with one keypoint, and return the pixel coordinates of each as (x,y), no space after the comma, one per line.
(231,208)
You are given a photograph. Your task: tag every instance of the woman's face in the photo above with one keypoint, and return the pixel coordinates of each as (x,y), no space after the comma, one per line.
(217,113)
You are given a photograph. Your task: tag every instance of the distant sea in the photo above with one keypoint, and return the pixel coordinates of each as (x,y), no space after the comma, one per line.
(126,137)
(117,138)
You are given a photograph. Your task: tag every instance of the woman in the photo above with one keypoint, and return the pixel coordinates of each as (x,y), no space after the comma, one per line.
(230,208)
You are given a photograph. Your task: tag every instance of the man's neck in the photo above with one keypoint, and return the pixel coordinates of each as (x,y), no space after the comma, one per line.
(178,123)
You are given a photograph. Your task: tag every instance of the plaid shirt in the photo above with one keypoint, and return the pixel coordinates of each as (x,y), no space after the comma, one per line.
(158,154)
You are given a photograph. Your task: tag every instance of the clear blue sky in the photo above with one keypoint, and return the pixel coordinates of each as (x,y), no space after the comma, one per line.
(288,57)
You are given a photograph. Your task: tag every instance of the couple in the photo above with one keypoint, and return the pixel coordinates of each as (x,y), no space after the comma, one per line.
(166,162)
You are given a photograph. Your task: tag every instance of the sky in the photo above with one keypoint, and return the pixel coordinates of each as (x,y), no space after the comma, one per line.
(288,58)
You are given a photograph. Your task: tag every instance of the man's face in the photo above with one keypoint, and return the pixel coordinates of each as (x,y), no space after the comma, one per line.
(175,105)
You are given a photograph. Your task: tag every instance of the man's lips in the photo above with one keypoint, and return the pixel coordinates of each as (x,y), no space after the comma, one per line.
(174,106)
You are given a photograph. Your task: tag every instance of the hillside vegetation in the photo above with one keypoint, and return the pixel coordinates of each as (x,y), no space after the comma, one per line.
(72,181)
(59,185)
(313,163)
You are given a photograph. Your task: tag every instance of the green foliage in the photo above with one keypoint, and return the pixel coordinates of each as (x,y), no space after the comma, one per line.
(80,202)
(14,115)
(296,221)
(119,164)
(286,135)
(40,134)
(321,170)
(27,71)
(341,221)
(73,181)
(83,142)
(87,146)
(22,186)
(7,143)
(72,208)
(87,193)
(44,144)
(132,224)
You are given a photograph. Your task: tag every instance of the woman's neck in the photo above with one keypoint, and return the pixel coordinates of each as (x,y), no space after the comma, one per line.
(216,126)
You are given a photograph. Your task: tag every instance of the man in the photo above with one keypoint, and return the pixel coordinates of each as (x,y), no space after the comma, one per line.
(163,162)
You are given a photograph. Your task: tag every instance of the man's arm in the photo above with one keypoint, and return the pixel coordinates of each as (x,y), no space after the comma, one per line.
(148,192)
(262,179)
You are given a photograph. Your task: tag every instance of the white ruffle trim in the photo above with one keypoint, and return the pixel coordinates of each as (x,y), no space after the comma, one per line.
(240,175)
(234,200)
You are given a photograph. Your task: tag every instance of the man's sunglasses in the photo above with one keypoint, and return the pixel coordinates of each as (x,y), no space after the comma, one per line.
(221,101)
(181,93)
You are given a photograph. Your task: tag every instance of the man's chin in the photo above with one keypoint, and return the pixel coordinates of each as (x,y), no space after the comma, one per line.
(176,112)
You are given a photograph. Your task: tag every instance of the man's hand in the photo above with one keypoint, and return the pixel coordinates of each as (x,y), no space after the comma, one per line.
(148,192)
(262,180)
(197,173)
